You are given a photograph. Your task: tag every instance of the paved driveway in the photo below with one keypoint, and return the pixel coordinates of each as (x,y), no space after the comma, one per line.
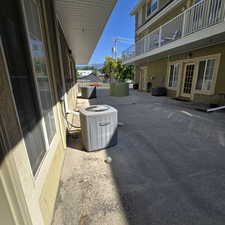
(167,169)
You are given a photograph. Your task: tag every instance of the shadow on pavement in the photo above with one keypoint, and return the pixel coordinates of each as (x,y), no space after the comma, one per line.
(167,169)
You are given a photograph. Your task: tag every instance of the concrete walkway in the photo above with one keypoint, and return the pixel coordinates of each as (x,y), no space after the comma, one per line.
(167,169)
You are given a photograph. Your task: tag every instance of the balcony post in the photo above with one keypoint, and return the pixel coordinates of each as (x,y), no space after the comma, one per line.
(160,36)
(184,23)
(223,11)
(144,44)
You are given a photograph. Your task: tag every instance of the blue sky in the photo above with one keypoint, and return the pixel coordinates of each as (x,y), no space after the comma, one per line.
(120,24)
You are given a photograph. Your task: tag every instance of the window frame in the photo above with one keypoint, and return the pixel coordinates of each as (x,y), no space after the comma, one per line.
(147,8)
(214,76)
(179,65)
(196,61)
(206,64)
(43,36)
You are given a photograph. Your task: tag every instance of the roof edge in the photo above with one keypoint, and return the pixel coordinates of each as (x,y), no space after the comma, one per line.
(136,7)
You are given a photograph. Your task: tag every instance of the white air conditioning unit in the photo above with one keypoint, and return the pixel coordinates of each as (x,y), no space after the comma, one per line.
(99,127)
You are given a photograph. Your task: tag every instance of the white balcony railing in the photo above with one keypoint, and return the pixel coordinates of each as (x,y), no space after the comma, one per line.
(200,16)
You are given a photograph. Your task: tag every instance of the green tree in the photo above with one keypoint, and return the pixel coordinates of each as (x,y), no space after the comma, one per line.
(110,67)
(115,69)
(124,72)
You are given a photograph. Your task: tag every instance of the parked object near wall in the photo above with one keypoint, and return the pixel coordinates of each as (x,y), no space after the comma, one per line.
(159,91)
(88,92)
(99,127)
(149,87)
(135,86)
(119,89)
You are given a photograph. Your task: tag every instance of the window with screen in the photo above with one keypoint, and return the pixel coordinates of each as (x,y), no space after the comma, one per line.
(205,74)
(152,6)
(173,76)
(39,59)
(22,81)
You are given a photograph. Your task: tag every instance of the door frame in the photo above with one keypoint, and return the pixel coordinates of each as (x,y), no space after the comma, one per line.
(142,76)
(182,94)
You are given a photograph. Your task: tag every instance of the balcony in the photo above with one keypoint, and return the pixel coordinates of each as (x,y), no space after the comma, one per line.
(199,17)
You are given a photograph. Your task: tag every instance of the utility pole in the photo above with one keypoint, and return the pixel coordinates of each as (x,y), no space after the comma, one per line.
(121,40)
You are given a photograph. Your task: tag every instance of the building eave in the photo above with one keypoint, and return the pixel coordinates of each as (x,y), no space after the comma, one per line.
(137,6)
(83,22)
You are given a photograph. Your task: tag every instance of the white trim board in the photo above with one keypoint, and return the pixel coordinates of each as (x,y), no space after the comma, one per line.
(183,44)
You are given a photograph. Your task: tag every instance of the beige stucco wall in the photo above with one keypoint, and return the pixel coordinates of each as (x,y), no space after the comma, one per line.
(50,187)
(156,72)
(5,211)
(72,97)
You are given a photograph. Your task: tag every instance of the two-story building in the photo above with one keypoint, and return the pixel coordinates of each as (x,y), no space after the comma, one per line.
(40,41)
(180,45)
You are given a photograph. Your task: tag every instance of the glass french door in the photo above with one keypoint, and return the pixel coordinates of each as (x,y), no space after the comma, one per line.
(188,79)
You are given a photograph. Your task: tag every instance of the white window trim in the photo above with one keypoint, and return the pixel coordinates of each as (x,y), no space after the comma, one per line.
(54,141)
(178,78)
(204,75)
(214,76)
(152,13)
(196,61)
(187,95)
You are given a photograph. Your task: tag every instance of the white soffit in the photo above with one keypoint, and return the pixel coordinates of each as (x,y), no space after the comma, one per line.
(83,22)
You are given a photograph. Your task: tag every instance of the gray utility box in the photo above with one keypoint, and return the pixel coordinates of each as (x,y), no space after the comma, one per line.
(99,127)
(88,92)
